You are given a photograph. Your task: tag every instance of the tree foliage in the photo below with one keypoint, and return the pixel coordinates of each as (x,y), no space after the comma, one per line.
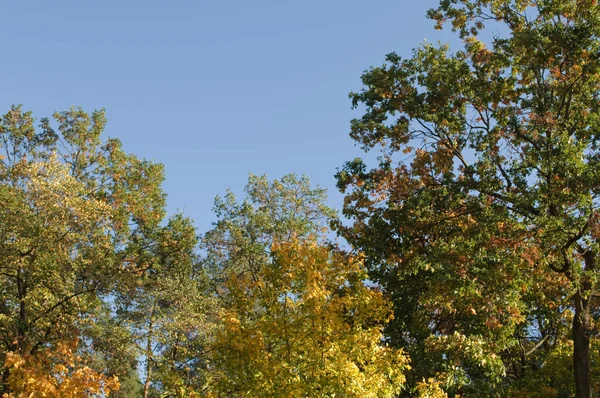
(72,206)
(480,220)
(296,317)
(167,309)
(55,372)
(474,240)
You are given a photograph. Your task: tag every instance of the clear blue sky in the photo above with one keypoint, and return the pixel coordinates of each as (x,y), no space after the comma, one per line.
(212,89)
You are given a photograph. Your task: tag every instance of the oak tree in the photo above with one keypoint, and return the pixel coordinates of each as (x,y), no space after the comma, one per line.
(481,219)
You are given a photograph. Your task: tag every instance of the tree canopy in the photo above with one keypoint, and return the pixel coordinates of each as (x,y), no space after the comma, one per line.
(75,209)
(480,219)
(466,261)
(296,317)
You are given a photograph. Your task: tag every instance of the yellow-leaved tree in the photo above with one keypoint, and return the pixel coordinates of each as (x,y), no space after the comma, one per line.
(298,318)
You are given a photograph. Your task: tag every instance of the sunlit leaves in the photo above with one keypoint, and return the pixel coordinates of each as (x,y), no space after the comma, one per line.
(297,315)
(55,372)
(480,217)
(72,204)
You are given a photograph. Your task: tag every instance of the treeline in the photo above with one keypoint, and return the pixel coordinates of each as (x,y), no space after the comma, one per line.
(103,295)
(469,259)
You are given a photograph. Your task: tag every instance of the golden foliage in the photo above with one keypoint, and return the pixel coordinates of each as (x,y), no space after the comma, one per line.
(430,388)
(56,372)
(306,324)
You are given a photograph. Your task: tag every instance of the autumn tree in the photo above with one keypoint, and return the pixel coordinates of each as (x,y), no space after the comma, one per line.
(297,318)
(481,219)
(71,205)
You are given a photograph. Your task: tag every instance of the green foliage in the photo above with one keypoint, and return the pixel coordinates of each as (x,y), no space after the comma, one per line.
(73,206)
(480,220)
(475,240)
(110,346)
(166,307)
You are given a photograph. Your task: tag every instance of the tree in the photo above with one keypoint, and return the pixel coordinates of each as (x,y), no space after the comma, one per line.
(167,310)
(110,347)
(71,205)
(481,219)
(297,317)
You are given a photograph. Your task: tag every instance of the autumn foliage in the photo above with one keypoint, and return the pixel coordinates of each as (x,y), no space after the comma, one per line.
(480,217)
(465,263)
(297,316)
(306,323)
(55,372)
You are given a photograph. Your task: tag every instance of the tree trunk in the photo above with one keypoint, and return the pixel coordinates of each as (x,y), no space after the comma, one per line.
(4,384)
(147,382)
(149,353)
(581,347)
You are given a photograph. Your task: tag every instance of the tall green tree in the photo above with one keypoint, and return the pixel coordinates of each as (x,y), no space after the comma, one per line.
(71,205)
(481,218)
(111,349)
(167,310)
(296,317)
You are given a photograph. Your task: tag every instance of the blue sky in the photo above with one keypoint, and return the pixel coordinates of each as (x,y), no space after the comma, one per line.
(214,90)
